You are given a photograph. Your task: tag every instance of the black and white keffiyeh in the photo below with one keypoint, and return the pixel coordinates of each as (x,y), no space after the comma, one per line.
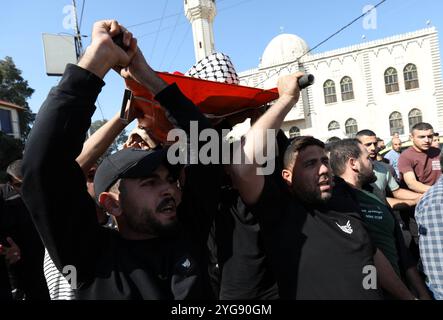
(215,67)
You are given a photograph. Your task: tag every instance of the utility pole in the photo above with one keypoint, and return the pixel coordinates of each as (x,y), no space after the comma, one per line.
(78,36)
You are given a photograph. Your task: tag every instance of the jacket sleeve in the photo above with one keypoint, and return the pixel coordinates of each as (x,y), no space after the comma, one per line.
(54,187)
(201,190)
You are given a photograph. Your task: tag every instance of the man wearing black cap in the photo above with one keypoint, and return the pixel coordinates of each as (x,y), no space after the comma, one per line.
(159,251)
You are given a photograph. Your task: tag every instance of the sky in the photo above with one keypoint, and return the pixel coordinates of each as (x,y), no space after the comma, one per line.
(242,30)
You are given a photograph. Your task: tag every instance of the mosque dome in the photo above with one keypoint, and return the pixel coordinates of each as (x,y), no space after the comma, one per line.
(282,49)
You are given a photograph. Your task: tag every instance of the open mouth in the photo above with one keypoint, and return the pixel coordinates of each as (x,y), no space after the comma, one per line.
(167,206)
(324,185)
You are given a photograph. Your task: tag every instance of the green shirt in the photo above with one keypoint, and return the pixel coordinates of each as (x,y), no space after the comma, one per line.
(381,225)
(384,181)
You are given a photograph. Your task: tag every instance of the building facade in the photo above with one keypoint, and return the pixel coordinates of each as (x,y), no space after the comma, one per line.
(386,85)
(9,121)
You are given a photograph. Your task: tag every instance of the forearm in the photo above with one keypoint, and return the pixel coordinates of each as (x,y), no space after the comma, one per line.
(149,79)
(180,110)
(417,283)
(404,194)
(94,63)
(399,204)
(99,142)
(255,142)
(389,280)
(417,186)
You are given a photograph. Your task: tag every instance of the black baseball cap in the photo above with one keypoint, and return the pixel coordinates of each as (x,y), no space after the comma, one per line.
(130,163)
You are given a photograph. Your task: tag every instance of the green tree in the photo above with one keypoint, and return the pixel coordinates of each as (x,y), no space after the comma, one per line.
(15,89)
(122,137)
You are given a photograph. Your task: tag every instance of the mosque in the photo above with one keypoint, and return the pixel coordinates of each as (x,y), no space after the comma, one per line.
(386,85)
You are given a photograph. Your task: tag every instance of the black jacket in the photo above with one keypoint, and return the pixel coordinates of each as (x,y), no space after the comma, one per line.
(15,221)
(54,189)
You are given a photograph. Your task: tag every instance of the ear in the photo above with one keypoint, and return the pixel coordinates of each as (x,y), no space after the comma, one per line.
(110,202)
(287,176)
(354,164)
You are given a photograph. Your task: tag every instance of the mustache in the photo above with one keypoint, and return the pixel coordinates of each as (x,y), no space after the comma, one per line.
(324,178)
(166,202)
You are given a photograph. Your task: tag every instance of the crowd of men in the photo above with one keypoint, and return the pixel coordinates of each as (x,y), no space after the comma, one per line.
(335,221)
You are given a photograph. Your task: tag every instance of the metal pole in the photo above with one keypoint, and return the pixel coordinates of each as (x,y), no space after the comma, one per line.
(78,37)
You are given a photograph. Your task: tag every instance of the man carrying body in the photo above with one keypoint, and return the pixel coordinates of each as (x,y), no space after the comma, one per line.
(351,161)
(311,235)
(419,165)
(159,251)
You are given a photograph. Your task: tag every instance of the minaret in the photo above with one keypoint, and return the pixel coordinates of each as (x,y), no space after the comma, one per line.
(201,14)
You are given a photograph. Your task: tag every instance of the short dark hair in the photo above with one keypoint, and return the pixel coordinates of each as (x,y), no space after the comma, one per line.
(15,170)
(365,133)
(436,134)
(330,145)
(297,145)
(341,152)
(422,126)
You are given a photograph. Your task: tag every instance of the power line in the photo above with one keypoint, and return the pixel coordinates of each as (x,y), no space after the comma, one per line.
(234,5)
(343,28)
(81,14)
(169,42)
(186,22)
(159,28)
(100,108)
(153,20)
(158,19)
(165,28)
(327,39)
(180,14)
(179,47)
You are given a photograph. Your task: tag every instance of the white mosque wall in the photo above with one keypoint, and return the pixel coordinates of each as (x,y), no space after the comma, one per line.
(365,64)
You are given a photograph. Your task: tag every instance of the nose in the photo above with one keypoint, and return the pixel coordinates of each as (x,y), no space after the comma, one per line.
(324,169)
(167,188)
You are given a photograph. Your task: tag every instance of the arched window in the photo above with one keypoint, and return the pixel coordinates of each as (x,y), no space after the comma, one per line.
(415,117)
(294,132)
(391,80)
(329,91)
(351,127)
(396,123)
(333,125)
(411,76)
(347,92)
